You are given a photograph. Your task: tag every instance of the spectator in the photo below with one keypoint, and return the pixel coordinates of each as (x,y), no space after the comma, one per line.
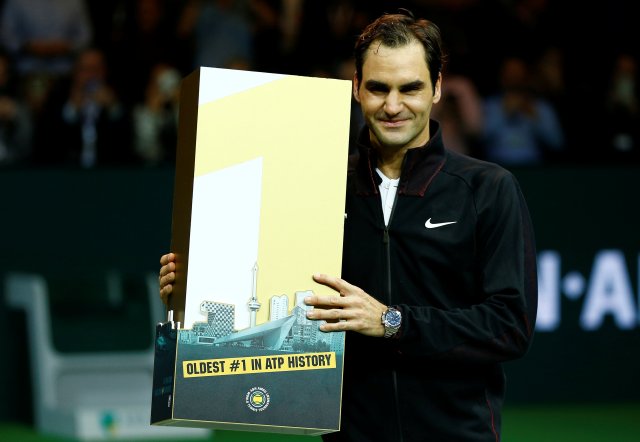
(156,120)
(520,128)
(460,114)
(144,37)
(15,119)
(549,78)
(622,112)
(221,35)
(549,75)
(86,124)
(43,37)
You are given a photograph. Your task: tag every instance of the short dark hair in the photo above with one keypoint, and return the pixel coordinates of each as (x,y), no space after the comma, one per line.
(397,30)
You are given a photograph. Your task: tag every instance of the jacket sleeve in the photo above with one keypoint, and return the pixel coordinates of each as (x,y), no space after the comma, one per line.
(499,325)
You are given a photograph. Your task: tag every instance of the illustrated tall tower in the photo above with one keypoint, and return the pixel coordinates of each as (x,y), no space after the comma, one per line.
(254,305)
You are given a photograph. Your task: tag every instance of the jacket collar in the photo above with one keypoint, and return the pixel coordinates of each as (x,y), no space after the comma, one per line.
(419,167)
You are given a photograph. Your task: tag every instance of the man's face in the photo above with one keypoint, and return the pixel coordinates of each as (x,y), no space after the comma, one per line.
(395,95)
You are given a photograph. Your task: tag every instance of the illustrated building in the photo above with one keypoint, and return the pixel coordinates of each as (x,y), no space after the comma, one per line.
(286,331)
(279,307)
(220,320)
(303,308)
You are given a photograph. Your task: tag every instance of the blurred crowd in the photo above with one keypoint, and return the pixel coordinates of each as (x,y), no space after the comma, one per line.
(527,82)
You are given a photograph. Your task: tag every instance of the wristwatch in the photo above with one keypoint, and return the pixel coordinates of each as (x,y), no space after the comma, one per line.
(391,320)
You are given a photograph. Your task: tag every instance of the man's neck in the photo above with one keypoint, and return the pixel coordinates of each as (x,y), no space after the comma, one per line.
(390,161)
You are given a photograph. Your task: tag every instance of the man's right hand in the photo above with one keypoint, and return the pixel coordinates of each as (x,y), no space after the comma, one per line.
(167,276)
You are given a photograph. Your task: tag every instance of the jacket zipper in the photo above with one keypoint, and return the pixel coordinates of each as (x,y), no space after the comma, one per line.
(387,246)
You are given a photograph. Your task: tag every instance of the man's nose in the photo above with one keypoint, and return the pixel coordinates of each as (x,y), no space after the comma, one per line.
(393,103)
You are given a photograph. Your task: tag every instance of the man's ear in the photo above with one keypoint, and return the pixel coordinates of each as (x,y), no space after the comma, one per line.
(356,87)
(437,92)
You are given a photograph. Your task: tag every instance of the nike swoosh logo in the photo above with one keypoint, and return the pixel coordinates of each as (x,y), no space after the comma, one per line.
(430,225)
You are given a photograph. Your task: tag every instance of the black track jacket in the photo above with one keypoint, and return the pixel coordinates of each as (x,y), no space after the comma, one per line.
(467,290)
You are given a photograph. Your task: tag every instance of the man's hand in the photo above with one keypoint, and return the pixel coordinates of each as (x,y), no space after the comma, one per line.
(353,310)
(167,276)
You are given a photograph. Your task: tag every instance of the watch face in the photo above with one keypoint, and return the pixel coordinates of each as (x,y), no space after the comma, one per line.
(393,318)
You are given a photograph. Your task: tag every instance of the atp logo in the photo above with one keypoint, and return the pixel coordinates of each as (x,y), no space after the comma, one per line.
(257,399)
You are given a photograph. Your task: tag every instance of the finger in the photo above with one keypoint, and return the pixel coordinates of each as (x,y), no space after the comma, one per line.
(166,259)
(325,301)
(338,326)
(167,279)
(330,281)
(168,268)
(336,314)
(165,292)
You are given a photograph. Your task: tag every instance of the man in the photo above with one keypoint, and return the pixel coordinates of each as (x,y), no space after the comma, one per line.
(86,117)
(438,254)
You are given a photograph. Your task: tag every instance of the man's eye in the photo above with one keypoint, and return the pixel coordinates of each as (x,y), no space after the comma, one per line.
(411,90)
(378,89)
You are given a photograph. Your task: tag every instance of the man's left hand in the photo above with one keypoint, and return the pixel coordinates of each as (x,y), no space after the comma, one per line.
(353,310)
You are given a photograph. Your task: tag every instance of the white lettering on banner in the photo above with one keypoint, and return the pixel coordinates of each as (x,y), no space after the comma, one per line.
(548,291)
(608,293)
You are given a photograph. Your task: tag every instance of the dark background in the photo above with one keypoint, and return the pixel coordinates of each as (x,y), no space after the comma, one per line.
(73,225)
